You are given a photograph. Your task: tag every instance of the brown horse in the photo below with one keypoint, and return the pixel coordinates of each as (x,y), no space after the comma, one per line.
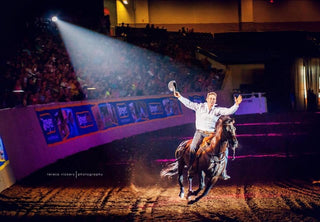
(210,161)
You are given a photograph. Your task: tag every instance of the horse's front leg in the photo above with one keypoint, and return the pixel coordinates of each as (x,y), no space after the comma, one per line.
(209,186)
(190,191)
(180,179)
(201,182)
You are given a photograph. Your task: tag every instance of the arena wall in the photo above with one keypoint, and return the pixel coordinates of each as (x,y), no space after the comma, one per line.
(28,150)
(222,16)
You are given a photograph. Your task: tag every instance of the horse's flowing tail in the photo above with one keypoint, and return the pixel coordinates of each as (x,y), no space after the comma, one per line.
(170,170)
(173,168)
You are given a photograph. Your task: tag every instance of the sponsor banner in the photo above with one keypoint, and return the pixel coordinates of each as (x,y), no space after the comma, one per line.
(138,110)
(155,108)
(123,112)
(84,119)
(49,121)
(64,123)
(3,155)
(105,115)
(69,123)
(171,106)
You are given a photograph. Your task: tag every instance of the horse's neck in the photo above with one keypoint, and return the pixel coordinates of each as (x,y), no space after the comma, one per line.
(216,143)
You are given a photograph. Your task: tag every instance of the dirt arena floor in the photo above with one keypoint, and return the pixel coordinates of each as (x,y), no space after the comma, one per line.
(275,177)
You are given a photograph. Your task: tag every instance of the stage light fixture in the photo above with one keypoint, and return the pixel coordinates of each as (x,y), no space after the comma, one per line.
(54,18)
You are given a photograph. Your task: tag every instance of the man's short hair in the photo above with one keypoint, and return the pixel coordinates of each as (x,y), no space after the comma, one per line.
(211,93)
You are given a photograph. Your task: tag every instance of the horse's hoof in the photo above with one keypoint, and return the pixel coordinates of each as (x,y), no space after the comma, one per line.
(196,192)
(225,177)
(181,195)
(189,195)
(191,202)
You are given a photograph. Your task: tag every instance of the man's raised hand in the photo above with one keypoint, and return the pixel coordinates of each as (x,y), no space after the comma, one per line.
(238,100)
(176,94)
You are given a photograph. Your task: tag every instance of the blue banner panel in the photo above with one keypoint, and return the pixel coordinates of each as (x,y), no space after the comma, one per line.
(3,155)
(138,110)
(107,115)
(68,118)
(84,119)
(124,115)
(171,106)
(49,121)
(155,108)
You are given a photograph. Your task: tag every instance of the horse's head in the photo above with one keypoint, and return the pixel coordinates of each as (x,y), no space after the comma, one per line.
(225,135)
(229,131)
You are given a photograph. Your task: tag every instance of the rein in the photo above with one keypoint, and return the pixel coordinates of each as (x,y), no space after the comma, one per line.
(212,155)
(220,155)
(217,159)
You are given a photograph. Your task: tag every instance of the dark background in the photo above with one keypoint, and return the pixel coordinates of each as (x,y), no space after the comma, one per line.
(15,15)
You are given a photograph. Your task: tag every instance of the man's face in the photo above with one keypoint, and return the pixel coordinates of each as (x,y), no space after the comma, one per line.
(211,100)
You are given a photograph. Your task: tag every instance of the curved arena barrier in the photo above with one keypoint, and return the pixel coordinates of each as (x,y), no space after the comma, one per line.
(36,136)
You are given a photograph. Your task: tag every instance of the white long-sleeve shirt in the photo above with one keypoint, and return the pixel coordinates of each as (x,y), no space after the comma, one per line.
(206,119)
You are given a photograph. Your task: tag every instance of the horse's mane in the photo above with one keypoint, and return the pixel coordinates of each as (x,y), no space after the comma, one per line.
(221,120)
(217,135)
(219,125)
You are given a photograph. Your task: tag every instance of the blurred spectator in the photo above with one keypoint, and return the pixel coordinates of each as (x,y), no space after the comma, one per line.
(311,101)
(41,72)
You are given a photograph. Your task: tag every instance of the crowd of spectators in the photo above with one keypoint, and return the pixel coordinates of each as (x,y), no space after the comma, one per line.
(41,71)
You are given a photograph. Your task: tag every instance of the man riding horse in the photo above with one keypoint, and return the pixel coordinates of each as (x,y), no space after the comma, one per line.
(207,115)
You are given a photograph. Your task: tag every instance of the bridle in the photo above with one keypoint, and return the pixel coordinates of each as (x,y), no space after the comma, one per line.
(231,131)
